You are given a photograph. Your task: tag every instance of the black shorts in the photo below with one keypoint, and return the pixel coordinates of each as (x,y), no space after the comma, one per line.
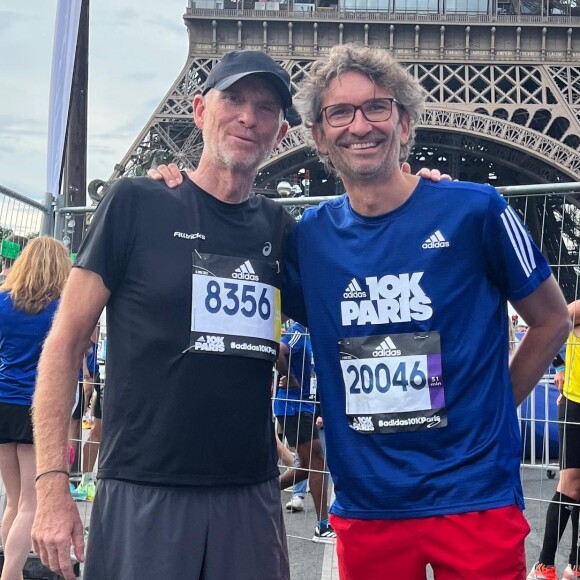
(97,412)
(15,424)
(569,433)
(298,428)
(78,410)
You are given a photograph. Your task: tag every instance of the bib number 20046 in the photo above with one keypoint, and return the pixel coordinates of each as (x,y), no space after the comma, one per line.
(393,382)
(383,377)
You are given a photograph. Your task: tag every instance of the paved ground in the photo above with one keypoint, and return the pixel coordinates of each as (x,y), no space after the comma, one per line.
(538,491)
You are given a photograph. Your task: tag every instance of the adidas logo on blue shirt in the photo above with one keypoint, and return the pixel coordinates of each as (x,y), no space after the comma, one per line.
(353,290)
(436,240)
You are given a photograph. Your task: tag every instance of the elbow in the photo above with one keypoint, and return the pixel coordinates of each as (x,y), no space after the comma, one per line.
(563,329)
(569,327)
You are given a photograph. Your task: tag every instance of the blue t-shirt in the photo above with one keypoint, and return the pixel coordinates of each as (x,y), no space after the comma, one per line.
(92,365)
(21,338)
(408,318)
(294,401)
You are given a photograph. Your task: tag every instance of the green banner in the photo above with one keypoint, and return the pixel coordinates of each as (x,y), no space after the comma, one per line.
(10,249)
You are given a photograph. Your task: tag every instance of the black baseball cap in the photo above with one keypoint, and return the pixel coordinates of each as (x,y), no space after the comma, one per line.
(238,64)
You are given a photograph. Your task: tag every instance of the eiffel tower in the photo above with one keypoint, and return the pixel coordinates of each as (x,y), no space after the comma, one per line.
(502,80)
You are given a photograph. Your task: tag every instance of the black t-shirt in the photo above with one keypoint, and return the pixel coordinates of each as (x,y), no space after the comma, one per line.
(171,417)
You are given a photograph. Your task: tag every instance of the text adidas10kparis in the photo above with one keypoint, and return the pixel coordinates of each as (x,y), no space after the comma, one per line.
(392,299)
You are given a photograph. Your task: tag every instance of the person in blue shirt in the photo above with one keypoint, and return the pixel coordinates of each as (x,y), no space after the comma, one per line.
(404,284)
(294,408)
(28,300)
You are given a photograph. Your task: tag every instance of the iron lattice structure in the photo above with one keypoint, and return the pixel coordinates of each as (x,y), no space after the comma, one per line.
(503,98)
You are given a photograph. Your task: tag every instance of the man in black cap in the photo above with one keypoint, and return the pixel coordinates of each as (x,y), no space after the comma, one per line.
(190,278)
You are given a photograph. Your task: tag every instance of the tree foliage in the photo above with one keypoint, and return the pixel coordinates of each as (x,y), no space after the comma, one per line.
(5,232)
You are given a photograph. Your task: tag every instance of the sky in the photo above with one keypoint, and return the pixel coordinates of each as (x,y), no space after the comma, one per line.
(136,50)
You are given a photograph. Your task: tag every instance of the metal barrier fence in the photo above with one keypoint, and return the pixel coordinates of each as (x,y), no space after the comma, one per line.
(22,216)
(538,426)
(552,213)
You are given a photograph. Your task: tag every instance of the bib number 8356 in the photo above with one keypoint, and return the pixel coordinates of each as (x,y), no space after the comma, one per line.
(238,298)
(382,378)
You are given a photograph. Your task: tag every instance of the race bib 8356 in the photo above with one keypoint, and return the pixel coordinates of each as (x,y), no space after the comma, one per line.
(235,307)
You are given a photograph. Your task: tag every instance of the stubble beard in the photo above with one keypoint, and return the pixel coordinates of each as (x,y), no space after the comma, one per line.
(364,173)
(359,172)
(236,161)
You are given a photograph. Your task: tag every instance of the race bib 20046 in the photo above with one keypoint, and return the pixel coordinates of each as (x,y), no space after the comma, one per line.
(393,382)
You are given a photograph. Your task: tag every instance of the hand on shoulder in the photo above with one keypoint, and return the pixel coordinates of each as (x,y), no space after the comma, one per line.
(170,174)
(431,174)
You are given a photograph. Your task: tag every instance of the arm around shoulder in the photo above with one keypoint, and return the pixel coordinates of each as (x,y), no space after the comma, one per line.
(546,315)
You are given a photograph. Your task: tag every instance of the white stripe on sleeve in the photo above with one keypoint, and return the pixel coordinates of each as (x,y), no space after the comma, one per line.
(513,229)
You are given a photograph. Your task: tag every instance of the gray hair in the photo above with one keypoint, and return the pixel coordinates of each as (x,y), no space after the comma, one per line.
(375,63)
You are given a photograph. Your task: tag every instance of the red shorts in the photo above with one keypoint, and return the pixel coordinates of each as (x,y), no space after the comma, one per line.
(475,545)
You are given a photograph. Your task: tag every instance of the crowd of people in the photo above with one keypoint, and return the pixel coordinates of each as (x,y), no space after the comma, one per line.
(422,436)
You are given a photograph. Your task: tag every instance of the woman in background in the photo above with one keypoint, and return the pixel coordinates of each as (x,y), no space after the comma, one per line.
(28,300)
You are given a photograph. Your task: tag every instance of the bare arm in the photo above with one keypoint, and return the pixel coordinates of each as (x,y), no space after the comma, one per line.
(172,177)
(547,317)
(285,456)
(87,386)
(283,367)
(57,519)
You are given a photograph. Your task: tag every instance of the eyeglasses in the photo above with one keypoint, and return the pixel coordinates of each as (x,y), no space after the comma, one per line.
(373,110)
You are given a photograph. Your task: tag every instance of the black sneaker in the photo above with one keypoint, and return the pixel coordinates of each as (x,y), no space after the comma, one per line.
(324,534)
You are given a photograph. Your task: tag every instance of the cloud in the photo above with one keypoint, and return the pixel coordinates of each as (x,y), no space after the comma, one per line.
(136,52)
(8,19)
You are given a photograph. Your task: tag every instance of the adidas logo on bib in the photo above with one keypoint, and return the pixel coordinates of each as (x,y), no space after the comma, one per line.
(387,348)
(353,290)
(435,241)
(245,272)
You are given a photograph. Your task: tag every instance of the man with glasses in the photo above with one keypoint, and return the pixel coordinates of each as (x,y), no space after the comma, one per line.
(404,285)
